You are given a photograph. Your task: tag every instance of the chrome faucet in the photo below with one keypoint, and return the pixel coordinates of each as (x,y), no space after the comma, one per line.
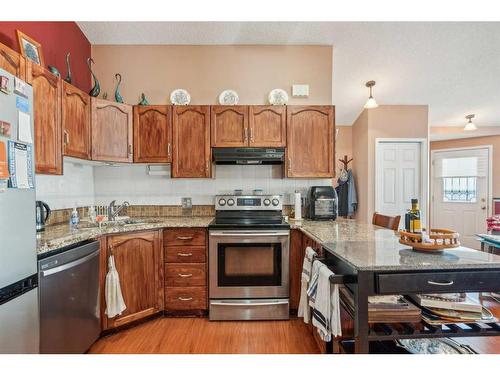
(113,211)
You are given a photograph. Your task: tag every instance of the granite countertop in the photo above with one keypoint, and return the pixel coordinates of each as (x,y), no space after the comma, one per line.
(367,247)
(57,236)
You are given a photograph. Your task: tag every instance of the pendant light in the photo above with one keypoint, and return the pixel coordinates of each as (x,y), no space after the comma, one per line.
(470,126)
(370,103)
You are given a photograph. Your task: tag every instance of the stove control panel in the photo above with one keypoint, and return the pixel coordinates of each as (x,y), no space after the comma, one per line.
(249,202)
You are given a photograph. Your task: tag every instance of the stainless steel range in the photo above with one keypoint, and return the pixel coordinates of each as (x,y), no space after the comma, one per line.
(249,259)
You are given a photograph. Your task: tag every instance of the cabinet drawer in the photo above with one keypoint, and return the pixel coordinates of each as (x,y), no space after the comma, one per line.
(185,254)
(187,274)
(186,298)
(185,237)
(438,282)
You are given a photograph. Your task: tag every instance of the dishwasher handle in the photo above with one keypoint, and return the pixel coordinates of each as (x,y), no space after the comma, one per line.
(66,266)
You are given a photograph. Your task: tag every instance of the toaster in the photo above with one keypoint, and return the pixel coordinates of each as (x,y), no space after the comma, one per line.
(321,203)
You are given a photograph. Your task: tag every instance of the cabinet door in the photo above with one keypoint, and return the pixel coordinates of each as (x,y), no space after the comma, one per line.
(47,117)
(12,62)
(229,126)
(310,141)
(139,262)
(153,134)
(76,122)
(191,141)
(267,126)
(111,131)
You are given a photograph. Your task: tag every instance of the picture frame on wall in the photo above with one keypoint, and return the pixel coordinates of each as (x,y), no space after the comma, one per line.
(30,48)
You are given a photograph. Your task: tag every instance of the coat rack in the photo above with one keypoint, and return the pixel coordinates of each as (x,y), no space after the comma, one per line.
(345,161)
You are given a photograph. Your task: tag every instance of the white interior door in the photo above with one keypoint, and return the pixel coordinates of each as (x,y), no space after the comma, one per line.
(460,192)
(398,177)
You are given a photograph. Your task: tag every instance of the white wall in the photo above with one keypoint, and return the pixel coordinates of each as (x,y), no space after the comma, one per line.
(132,183)
(86,185)
(75,186)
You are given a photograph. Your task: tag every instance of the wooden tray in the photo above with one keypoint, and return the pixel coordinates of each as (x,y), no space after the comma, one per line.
(441,239)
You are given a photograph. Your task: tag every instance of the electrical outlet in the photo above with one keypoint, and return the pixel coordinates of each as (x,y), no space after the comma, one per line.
(300,91)
(187,203)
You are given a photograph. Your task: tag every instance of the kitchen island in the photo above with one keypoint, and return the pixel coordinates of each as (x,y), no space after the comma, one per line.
(371,261)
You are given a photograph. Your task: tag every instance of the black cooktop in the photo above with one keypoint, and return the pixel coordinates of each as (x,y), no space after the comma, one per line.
(249,220)
(215,224)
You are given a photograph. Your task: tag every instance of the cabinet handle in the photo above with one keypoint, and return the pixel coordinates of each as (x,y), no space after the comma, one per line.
(207,166)
(66,137)
(185,274)
(130,149)
(169,149)
(441,283)
(246,134)
(185,298)
(185,254)
(289,164)
(184,238)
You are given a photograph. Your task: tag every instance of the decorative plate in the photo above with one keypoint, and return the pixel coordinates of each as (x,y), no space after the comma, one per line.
(278,97)
(228,97)
(180,97)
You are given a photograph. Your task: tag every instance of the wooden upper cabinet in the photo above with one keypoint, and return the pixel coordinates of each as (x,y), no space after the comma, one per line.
(153,134)
(229,125)
(12,62)
(267,126)
(191,141)
(111,131)
(76,122)
(47,118)
(139,262)
(310,141)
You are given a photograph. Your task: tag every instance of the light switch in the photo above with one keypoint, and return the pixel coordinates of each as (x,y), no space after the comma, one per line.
(300,90)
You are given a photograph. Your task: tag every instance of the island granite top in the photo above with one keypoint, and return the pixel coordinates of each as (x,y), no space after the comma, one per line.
(370,248)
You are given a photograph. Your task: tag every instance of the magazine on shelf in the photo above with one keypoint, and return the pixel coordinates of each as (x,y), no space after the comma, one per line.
(466,305)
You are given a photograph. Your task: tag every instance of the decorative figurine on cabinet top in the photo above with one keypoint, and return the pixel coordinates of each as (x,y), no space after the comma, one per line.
(68,75)
(143,101)
(54,71)
(118,97)
(97,87)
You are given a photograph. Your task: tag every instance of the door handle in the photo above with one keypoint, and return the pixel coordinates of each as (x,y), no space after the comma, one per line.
(483,208)
(440,283)
(75,263)
(250,304)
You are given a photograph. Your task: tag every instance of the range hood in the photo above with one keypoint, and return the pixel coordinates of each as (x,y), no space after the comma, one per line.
(248,155)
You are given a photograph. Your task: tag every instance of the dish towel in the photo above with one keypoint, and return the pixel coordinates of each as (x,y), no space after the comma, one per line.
(304,310)
(114,298)
(313,283)
(326,310)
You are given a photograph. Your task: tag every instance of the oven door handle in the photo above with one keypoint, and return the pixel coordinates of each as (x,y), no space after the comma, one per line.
(248,234)
(249,304)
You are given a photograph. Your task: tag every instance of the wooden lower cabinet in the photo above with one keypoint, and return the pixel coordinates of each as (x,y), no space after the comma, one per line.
(298,243)
(185,270)
(139,262)
(186,298)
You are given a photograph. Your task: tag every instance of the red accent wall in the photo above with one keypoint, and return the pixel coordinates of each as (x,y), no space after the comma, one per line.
(56,38)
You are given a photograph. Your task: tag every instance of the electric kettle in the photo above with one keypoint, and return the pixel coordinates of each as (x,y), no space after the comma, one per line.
(42,215)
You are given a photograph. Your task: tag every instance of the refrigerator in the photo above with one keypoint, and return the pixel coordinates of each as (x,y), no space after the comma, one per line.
(19,322)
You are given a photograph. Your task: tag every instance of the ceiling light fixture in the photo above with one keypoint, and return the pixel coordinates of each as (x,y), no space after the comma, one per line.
(470,126)
(370,103)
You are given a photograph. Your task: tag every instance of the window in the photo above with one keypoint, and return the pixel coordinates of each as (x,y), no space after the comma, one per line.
(459,189)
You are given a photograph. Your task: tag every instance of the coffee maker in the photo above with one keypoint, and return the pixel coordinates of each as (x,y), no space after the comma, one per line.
(42,215)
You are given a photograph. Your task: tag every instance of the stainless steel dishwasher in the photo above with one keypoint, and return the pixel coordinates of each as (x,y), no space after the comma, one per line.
(69,299)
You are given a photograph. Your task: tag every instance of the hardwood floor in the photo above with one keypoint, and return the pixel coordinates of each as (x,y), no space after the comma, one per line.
(200,336)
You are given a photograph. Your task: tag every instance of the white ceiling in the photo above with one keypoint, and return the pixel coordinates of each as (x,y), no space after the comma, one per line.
(454,67)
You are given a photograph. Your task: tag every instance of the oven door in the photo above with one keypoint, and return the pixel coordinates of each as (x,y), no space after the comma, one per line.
(249,264)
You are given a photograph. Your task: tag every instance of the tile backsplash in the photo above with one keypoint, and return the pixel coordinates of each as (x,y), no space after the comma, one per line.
(85,185)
